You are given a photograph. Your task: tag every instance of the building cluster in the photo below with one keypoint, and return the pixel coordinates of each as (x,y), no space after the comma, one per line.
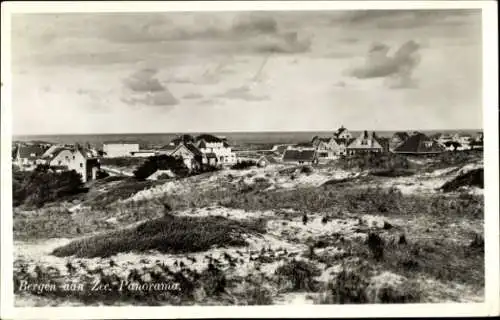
(342,143)
(209,150)
(59,157)
(196,152)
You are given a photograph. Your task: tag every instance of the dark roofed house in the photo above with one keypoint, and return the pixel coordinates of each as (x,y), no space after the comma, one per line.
(300,156)
(419,143)
(27,156)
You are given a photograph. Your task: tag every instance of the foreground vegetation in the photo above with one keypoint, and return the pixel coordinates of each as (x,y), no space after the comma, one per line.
(230,241)
(167,234)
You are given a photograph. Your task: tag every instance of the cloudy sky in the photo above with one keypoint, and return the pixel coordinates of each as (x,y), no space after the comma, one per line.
(267,71)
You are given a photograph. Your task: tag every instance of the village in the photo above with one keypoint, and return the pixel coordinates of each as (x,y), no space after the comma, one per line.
(213,151)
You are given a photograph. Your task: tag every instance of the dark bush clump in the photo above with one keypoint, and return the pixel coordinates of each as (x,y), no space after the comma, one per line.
(300,273)
(169,234)
(245,164)
(473,178)
(161,162)
(43,185)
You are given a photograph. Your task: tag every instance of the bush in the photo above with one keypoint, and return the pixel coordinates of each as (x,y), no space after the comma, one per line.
(380,161)
(473,178)
(161,162)
(300,274)
(245,164)
(169,234)
(42,185)
(348,288)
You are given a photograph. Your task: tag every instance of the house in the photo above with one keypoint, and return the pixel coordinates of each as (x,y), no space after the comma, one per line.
(300,156)
(419,143)
(364,143)
(397,139)
(209,144)
(193,158)
(76,159)
(330,148)
(119,149)
(265,161)
(27,155)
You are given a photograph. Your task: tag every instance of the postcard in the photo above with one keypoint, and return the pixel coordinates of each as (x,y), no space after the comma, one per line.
(249,159)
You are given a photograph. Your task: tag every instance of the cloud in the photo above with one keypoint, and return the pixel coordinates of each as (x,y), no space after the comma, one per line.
(242,93)
(193,96)
(405,19)
(142,87)
(398,67)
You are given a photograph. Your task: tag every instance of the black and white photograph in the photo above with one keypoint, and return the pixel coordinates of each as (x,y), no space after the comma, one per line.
(252,157)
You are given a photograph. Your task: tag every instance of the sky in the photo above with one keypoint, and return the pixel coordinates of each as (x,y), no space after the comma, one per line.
(85,73)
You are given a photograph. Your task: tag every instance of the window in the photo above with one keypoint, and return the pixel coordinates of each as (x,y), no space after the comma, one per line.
(59,162)
(81,165)
(73,157)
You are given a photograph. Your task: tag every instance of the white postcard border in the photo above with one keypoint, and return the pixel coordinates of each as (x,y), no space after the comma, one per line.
(490,115)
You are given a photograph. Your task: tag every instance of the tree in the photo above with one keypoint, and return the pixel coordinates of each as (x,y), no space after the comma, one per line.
(161,162)
(43,185)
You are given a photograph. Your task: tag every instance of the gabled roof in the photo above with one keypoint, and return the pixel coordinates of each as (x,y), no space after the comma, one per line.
(268,159)
(190,147)
(52,152)
(30,152)
(365,141)
(419,143)
(299,155)
(344,141)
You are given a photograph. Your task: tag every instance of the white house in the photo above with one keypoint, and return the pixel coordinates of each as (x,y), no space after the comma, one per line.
(119,149)
(209,144)
(76,160)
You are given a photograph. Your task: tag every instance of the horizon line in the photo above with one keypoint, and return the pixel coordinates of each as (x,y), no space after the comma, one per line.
(248,131)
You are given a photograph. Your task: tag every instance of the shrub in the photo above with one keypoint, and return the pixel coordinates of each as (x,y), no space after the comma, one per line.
(347,288)
(42,185)
(376,246)
(300,274)
(306,169)
(471,178)
(170,234)
(213,281)
(245,164)
(161,162)
(381,161)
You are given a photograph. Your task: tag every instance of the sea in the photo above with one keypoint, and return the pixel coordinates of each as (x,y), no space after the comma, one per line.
(151,140)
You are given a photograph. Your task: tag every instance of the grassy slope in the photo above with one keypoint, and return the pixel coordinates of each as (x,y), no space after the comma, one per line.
(167,234)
